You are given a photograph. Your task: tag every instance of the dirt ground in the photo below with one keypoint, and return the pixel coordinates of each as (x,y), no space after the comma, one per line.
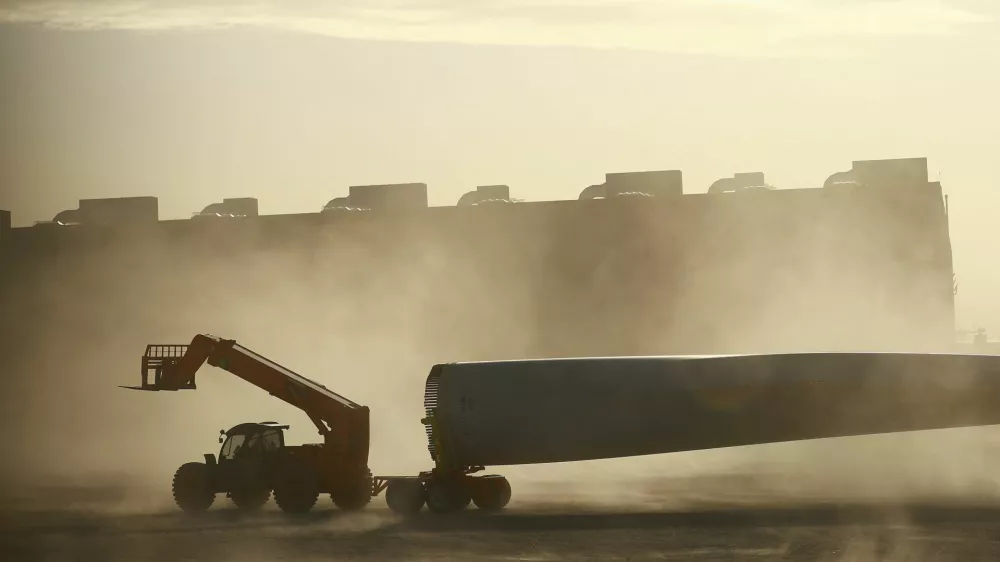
(736,523)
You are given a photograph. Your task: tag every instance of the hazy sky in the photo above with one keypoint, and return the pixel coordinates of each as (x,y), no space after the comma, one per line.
(694,26)
(292,101)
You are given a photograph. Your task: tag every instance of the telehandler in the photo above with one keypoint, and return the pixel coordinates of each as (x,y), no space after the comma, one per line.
(255,461)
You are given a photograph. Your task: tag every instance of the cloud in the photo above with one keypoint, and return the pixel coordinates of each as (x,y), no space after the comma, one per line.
(746,27)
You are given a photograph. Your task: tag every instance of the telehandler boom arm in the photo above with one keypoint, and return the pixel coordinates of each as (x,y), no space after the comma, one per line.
(343,424)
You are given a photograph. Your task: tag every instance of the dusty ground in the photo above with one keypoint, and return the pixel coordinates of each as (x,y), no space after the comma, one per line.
(737,523)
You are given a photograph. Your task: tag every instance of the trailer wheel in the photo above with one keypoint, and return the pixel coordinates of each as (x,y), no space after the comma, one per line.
(491,494)
(405,496)
(295,489)
(250,499)
(447,495)
(192,487)
(354,496)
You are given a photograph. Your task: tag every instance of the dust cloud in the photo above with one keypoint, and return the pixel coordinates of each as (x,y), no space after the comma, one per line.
(356,316)
(366,310)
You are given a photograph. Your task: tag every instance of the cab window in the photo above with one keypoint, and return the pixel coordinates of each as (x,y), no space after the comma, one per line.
(263,442)
(271,439)
(232,445)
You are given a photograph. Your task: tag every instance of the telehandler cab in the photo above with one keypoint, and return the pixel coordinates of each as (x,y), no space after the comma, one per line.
(245,469)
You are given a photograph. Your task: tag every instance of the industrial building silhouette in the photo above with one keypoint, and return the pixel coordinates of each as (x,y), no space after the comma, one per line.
(633,266)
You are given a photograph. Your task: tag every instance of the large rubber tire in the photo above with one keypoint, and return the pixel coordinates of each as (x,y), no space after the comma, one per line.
(405,497)
(192,487)
(250,500)
(354,496)
(446,495)
(295,489)
(491,494)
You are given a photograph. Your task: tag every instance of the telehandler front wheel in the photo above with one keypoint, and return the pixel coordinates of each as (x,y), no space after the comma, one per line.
(192,487)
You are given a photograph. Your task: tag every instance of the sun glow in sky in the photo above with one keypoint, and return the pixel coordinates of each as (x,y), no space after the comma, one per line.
(733,27)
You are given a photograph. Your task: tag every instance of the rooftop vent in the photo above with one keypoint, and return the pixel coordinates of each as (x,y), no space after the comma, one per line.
(749,181)
(236,207)
(484,193)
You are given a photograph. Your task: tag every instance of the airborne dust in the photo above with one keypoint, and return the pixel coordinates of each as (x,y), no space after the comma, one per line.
(367,314)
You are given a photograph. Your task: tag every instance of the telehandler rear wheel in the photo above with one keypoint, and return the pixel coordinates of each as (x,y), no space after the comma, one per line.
(192,487)
(296,489)
(250,499)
